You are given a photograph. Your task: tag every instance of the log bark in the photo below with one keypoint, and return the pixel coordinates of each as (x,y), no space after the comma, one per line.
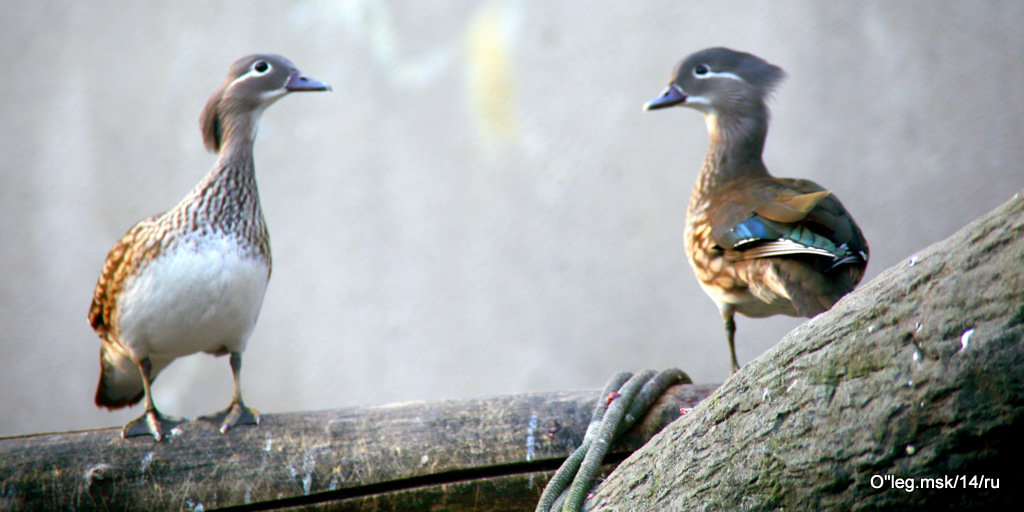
(919,373)
(481,454)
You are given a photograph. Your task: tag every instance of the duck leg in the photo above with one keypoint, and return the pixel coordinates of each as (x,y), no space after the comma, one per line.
(236,413)
(152,422)
(730,334)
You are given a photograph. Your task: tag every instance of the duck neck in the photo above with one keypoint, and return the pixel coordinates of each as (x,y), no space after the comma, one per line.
(227,199)
(734,151)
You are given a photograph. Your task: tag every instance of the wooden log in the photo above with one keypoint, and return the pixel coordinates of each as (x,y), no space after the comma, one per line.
(918,375)
(493,453)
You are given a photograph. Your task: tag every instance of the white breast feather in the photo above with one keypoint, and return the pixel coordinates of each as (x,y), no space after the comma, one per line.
(204,295)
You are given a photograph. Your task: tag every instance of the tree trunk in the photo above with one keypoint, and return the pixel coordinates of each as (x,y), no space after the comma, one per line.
(918,374)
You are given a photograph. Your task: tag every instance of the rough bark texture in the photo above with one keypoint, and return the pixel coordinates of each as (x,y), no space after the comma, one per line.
(919,373)
(481,454)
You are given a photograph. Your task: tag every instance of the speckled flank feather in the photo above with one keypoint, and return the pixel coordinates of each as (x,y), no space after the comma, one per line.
(120,383)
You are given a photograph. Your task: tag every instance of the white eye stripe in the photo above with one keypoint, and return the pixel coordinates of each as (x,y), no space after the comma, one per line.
(717,74)
(246,76)
(251,73)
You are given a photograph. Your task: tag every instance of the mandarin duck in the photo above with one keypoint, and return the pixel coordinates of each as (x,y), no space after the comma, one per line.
(759,245)
(193,278)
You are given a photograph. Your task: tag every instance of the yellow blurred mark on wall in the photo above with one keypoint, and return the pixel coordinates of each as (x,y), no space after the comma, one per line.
(490,74)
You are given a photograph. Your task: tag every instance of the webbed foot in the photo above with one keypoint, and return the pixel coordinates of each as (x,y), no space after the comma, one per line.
(236,414)
(151,423)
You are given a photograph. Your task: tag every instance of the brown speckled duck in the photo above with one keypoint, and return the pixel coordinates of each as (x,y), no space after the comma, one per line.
(192,279)
(759,245)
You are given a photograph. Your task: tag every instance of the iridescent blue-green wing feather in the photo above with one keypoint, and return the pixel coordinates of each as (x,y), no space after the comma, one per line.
(809,224)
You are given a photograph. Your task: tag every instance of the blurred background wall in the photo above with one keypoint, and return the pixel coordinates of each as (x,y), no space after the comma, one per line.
(480,207)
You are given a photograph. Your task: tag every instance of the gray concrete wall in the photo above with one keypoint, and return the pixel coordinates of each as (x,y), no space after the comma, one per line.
(480,206)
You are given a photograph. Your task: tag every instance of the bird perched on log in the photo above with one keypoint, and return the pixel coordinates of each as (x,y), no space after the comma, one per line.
(192,279)
(759,245)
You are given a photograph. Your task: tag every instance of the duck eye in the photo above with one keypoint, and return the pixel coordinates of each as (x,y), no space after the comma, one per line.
(701,70)
(260,67)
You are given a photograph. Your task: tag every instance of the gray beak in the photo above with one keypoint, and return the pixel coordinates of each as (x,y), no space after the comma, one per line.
(298,82)
(671,96)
